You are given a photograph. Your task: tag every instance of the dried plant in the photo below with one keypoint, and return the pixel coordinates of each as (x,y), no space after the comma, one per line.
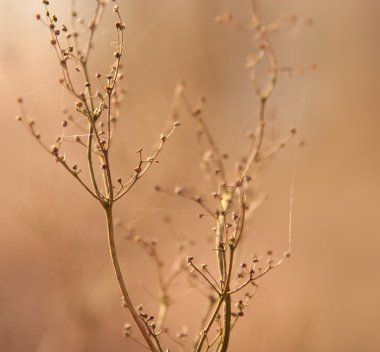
(231,200)
(98,112)
(231,203)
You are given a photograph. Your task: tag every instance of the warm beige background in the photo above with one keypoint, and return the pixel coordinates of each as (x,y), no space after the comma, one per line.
(57,291)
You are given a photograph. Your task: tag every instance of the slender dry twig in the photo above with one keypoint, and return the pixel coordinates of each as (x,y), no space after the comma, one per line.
(100,111)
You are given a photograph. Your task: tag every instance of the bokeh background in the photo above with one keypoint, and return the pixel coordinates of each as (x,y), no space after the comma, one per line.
(57,289)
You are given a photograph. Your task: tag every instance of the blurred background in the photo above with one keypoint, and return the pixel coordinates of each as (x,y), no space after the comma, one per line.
(57,288)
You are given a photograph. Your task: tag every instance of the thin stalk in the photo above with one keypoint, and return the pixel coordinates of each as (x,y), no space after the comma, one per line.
(121,282)
(209,324)
(225,336)
(226,332)
(162,310)
(90,163)
(221,235)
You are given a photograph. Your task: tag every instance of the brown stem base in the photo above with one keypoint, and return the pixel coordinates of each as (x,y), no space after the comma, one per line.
(119,276)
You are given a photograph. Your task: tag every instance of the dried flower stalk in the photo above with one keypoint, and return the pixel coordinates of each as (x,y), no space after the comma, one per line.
(231,194)
(99,112)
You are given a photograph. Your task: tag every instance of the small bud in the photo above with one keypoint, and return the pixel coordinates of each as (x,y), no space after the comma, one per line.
(178,190)
(64,123)
(197,112)
(54,149)
(189,259)
(308,21)
(313,67)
